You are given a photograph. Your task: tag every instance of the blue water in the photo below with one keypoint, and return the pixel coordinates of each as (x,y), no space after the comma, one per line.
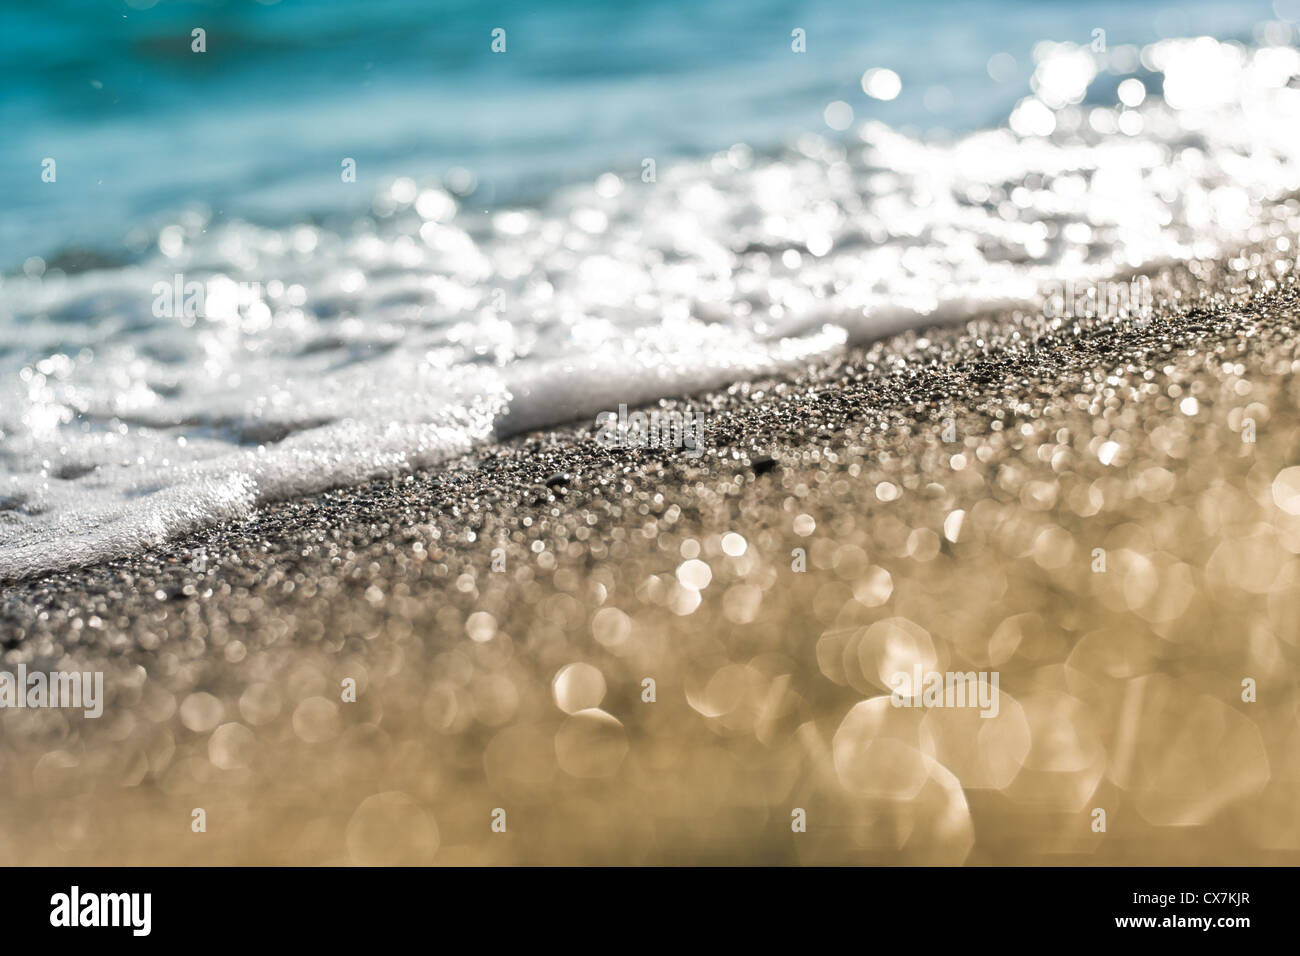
(256,127)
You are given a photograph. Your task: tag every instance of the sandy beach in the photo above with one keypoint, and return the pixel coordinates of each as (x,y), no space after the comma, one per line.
(563,652)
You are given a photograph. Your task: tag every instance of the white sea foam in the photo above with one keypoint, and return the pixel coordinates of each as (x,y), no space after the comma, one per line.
(323,357)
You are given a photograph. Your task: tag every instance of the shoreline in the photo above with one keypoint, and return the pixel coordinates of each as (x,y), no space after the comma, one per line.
(522,689)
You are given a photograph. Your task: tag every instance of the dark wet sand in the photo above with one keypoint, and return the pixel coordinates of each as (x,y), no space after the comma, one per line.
(949,490)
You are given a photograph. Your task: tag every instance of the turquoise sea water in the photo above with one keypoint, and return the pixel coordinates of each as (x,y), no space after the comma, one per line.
(256,127)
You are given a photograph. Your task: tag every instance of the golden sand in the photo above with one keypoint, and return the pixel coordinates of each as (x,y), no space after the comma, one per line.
(1107,516)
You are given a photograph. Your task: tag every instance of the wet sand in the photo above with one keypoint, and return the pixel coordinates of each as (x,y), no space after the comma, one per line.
(953,496)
